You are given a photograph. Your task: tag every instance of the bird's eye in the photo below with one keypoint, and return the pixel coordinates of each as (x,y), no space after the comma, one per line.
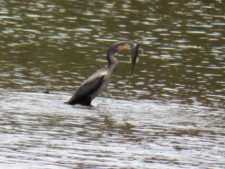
(124,45)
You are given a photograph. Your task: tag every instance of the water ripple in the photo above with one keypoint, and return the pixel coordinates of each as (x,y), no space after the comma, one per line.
(53,45)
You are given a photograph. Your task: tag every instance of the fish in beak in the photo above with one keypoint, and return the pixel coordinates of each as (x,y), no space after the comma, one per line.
(134,55)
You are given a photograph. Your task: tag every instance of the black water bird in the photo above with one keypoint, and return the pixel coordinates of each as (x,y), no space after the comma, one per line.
(98,81)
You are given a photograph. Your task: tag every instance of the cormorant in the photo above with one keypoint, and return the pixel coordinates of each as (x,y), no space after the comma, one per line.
(98,81)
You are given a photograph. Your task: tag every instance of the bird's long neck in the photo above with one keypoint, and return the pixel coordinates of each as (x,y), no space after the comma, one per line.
(112,61)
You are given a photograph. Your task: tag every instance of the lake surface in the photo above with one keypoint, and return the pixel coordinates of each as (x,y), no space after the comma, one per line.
(170,114)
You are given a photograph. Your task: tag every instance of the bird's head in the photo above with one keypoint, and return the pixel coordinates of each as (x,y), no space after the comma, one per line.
(122,46)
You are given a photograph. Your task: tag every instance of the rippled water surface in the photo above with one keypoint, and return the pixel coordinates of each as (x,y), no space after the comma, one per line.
(170,114)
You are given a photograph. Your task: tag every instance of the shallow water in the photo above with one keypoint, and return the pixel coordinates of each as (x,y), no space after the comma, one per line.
(170,114)
(40,131)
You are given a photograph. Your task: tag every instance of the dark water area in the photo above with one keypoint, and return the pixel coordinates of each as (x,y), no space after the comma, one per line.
(170,114)
(55,45)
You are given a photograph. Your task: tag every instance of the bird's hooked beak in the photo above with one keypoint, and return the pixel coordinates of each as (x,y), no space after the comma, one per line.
(134,55)
(125,46)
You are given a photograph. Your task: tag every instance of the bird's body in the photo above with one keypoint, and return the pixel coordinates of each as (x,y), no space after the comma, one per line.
(91,87)
(98,81)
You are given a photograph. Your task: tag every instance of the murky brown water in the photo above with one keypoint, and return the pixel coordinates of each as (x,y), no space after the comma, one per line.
(169,115)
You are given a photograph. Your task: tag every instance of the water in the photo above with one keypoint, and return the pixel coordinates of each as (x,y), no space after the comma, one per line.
(41,132)
(170,114)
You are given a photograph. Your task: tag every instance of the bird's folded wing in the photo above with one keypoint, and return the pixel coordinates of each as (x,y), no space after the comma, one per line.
(90,86)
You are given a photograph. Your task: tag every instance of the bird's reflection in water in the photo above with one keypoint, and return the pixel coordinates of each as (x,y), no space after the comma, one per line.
(96,128)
